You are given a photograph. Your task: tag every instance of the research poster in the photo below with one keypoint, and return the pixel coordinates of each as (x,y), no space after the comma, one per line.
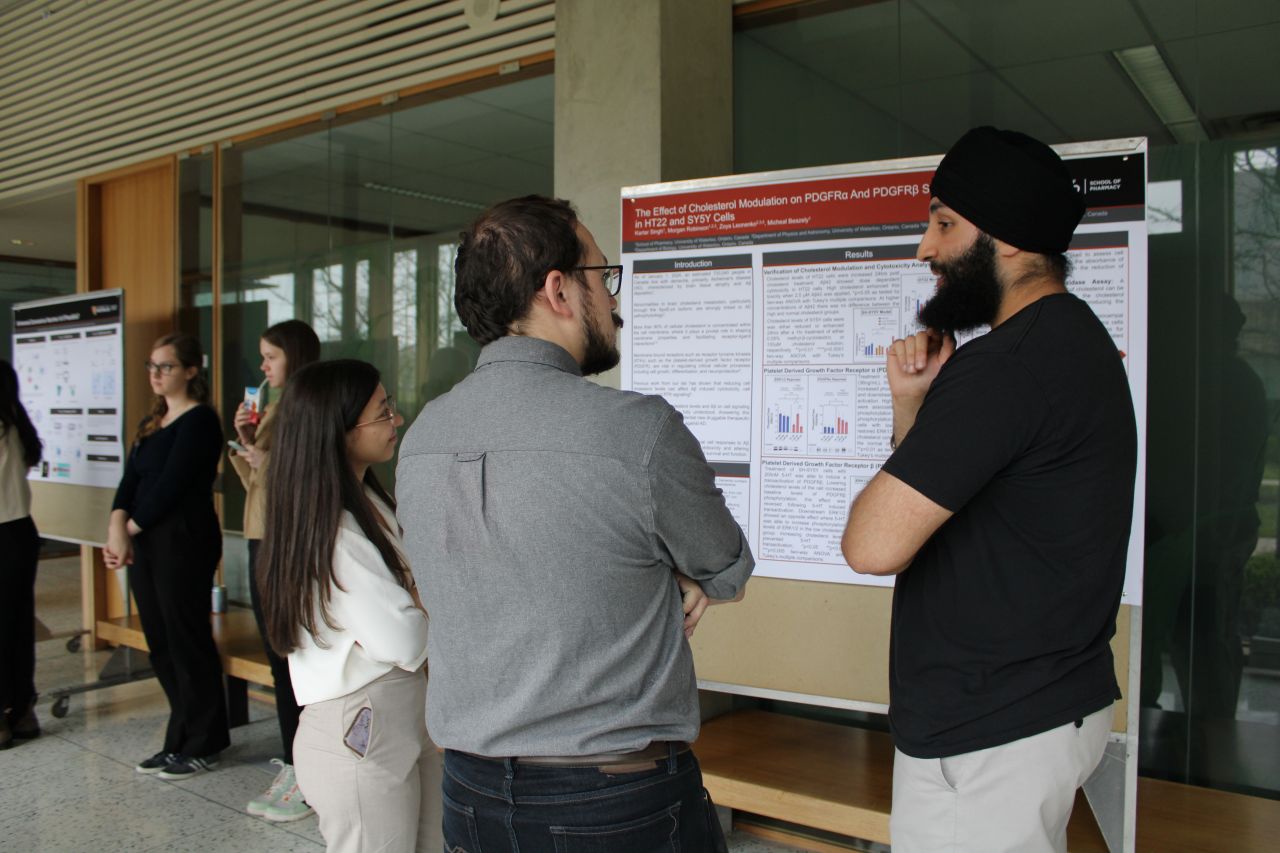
(761,306)
(68,353)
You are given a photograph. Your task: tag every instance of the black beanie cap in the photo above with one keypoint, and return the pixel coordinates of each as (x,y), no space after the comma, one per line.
(1013,187)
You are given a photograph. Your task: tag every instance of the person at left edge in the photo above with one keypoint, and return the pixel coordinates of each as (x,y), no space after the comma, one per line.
(163,524)
(19,450)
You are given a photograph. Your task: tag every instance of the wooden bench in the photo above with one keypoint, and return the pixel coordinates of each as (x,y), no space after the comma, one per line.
(840,780)
(244,661)
(821,775)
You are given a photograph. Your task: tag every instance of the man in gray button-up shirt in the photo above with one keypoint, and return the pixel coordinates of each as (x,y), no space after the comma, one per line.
(548,521)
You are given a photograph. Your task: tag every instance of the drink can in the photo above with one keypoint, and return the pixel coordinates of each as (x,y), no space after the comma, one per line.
(219,599)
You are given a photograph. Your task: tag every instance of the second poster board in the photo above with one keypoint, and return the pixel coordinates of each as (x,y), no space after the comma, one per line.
(68,352)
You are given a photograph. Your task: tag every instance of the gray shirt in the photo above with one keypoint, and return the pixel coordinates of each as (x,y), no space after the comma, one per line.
(543,517)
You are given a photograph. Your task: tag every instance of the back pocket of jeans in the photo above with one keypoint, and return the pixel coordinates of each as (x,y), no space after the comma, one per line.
(460,835)
(659,831)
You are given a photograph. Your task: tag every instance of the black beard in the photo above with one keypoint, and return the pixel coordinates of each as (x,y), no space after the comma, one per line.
(969,293)
(599,354)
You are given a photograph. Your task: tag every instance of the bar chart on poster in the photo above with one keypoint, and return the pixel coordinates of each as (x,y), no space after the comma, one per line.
(68,353)
(762,307)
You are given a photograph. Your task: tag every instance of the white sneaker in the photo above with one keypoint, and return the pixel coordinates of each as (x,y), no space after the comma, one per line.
(283,781)
(291,806)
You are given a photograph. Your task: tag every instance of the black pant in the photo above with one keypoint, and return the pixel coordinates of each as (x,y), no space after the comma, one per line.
(287,710)
(20,550)
(504,804)
(171,576)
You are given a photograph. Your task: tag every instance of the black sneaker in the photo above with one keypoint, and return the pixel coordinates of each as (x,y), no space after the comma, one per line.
(155,763)
(184,766)
(27,726)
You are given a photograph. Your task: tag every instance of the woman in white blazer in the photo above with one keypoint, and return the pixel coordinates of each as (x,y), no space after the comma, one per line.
(339,601)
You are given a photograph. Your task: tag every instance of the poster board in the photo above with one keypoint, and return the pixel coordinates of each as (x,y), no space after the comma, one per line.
(68,352)
(759,305)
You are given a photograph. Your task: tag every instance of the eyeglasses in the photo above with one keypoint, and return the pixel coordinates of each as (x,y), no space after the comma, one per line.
(610,273)
(164,368)
(388,414)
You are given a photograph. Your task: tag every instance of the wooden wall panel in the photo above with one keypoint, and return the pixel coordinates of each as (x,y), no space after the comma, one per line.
(137,215)
(126,239)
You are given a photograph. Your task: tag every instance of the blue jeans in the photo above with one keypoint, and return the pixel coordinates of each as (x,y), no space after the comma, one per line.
(500,805)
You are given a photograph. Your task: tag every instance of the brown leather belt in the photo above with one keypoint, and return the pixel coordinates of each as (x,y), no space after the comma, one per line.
(648,758)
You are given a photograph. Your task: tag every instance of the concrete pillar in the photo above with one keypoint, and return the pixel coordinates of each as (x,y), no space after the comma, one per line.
(644,93)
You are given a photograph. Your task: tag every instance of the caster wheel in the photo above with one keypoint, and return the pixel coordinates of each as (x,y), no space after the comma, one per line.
(73,645)
(61,706)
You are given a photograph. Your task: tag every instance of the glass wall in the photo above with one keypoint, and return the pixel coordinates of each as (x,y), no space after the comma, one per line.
(351,225)
(23,280)
(834,82)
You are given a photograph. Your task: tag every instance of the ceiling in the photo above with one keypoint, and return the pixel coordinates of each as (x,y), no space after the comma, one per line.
(865,81)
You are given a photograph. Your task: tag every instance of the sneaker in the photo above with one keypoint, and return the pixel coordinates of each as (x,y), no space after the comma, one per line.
(186,766)
(283,781)
(6,736)
(156,763)
(291,806)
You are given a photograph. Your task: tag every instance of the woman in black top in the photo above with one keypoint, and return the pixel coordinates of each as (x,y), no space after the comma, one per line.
(20,545)
(163,524)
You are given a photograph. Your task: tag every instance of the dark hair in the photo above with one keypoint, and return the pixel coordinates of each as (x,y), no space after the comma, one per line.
(504,258)
(12,414)
(189,353)
(299,342)
(1056,267)
(310,482)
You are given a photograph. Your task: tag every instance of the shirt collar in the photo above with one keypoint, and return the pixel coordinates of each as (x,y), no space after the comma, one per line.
(531,350)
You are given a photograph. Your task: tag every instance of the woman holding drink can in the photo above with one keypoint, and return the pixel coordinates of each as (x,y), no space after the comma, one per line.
(285,348)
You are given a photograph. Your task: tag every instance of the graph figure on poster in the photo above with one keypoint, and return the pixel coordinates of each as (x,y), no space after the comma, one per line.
(787,400)
(873,331)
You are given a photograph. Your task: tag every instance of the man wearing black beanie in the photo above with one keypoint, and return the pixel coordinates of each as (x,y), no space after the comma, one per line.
(1004,510)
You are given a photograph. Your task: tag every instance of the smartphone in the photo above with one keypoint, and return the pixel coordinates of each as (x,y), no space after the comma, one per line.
(236,446)
(357,737)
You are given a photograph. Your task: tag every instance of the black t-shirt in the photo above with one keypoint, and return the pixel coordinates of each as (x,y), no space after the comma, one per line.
(1002,623)
(172,470)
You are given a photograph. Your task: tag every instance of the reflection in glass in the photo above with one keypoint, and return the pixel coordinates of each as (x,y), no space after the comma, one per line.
(849,81)
(351,226)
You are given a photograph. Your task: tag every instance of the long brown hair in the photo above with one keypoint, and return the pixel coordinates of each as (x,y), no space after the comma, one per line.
(190,354)
(14,416)
(310,483)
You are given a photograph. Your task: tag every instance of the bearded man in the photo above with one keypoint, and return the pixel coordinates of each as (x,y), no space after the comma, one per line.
(566,538)
(1004,510)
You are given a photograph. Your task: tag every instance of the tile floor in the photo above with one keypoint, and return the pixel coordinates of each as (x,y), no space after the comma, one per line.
(75,789)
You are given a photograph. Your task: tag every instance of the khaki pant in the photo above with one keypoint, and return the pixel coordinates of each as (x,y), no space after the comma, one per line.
(1013,797)
(388,800)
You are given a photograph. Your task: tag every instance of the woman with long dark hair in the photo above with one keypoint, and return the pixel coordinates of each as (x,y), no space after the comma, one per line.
(20,545)
(340,602)
(286,348)
(163,523)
